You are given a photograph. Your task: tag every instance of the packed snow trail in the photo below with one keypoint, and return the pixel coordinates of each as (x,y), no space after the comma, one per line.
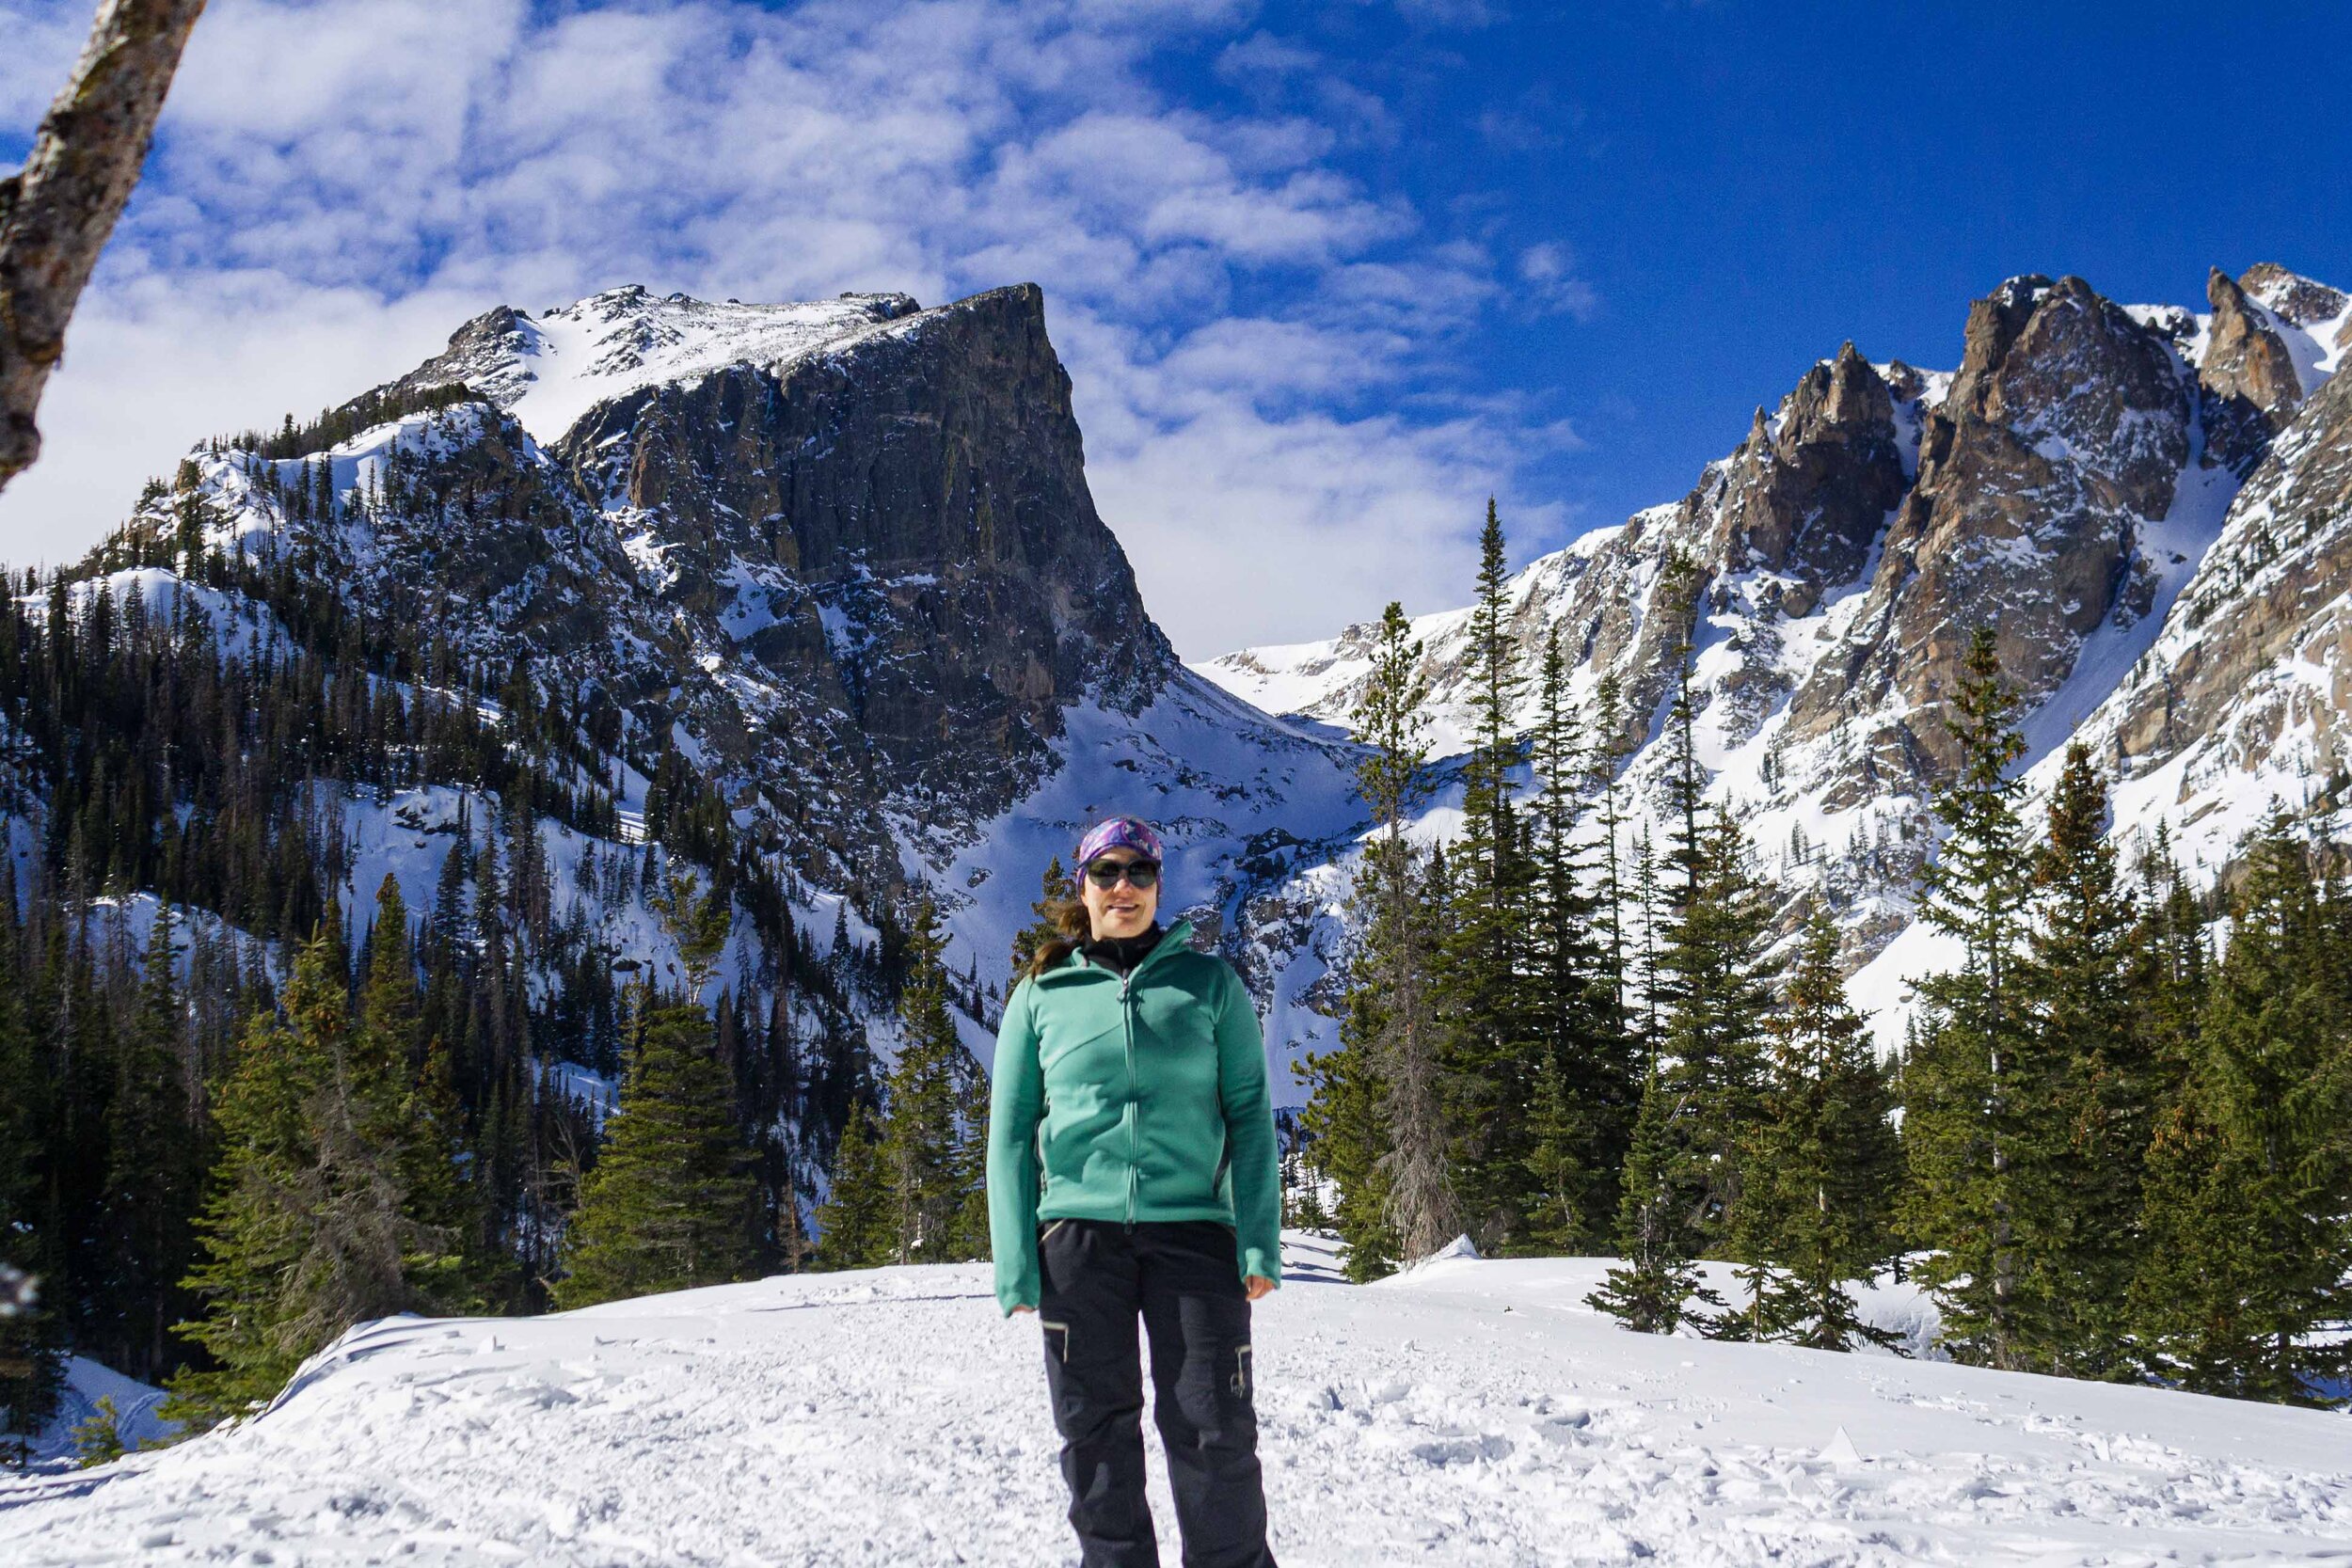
(1472,1413)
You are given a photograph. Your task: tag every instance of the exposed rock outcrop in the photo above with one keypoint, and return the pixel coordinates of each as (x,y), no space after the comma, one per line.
(2257,655)
(2061,486)
(2248,377)
(2066,427)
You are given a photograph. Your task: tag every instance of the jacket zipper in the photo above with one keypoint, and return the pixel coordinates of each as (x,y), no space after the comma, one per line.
(1135,1109)
(1127,1028)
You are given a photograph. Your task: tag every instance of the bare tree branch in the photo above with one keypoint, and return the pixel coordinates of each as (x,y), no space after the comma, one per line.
(56,211)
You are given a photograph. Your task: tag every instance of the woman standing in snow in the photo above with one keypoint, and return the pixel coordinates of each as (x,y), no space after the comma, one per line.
(1141,1062)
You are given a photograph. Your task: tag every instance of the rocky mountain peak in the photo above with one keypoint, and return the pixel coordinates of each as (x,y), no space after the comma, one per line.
(2303,301)
(1807,499)
(841,555)
(1994,323)
(551,371)
(2248,374)
(1904,383)
(1830,570)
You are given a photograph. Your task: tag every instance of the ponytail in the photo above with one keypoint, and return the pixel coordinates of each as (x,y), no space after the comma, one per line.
(1070,920)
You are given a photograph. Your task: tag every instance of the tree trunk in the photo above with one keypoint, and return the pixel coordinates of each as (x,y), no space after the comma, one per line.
(56,211)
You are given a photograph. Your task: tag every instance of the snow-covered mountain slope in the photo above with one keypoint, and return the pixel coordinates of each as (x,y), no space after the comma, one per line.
(1470,1413)
(2067,486)
(841,559)
(551,371)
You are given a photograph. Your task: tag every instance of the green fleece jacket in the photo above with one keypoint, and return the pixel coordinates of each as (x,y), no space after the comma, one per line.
(1133,1098)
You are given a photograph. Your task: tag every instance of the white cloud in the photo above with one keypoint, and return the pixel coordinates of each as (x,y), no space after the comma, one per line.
(43,40)
(1548,271)
(1262,55)
(157,364)
(340,182)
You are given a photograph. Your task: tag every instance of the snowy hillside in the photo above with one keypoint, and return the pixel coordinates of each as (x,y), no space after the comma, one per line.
(551,371)
(1471,1413)
(900,648)
(2142,501)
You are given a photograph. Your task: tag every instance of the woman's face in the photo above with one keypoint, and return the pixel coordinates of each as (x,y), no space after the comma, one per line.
(1120,910)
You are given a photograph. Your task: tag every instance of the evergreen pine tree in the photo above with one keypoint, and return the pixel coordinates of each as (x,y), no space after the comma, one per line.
(968,1168)
(152,1177)
(1489,1055)
(2248,1195)
(670,1204)
(304,1231)
(1717,978)
(1969,1088)
(1389,1018)
(1586,1086)
(1822,1164)
(440,1263)
(857,1224)
(2098,1094)
(2167,964)
(1047,915)
(31,1361)
(1603,760)
(925,1147)
(1650,1289)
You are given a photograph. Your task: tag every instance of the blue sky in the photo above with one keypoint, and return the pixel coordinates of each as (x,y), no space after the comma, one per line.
(1324,275)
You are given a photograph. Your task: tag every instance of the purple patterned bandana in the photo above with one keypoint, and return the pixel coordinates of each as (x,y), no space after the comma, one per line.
(1117,833)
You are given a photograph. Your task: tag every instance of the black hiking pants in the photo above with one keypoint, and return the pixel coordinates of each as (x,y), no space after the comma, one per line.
(1181,1277)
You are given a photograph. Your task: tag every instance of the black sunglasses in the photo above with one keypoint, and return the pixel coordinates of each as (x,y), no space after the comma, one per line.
(1140,873)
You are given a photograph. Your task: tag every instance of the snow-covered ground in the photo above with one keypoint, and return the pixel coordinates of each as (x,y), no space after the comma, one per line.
(88,1382)
(1469,1412)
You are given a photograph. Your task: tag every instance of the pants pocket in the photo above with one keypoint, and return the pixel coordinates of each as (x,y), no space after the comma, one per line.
(1047,1234)
(1239,1385)
(1056,1338)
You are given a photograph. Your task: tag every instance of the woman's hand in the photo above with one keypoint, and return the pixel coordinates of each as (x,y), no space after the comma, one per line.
(1257,1284)
(1024,1308)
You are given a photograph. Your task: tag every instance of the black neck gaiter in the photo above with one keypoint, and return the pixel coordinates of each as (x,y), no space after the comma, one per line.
(1122,954)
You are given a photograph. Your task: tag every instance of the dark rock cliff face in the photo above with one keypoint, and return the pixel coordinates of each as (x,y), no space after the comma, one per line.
(1810,499)
(863,581)
(2259,648)
(2249,378)
(2065,428)
(908,518)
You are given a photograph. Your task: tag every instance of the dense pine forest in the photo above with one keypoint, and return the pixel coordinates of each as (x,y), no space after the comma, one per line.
(236,1117)
(2115,1144)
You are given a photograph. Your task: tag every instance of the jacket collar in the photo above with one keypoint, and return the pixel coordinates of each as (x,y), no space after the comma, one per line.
(1077,963)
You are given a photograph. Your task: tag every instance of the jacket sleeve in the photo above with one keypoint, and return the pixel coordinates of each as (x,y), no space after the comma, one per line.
(1016,1099)
(1250,1148)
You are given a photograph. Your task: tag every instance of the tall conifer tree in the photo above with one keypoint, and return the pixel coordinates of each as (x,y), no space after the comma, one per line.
(1822,1164)
(307,1231)
(857,1224)
(670,1204)
(1651,1289)
(31,1360)
(1719,975)
(2098,1087)
(1390,1018)
(1586,1087)
(2248,1196)
(1490,1055)
(1967,1093)
(153,1177)
(926,1145)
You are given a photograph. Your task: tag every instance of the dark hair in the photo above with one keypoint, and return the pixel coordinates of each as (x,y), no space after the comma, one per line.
(1074,925)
